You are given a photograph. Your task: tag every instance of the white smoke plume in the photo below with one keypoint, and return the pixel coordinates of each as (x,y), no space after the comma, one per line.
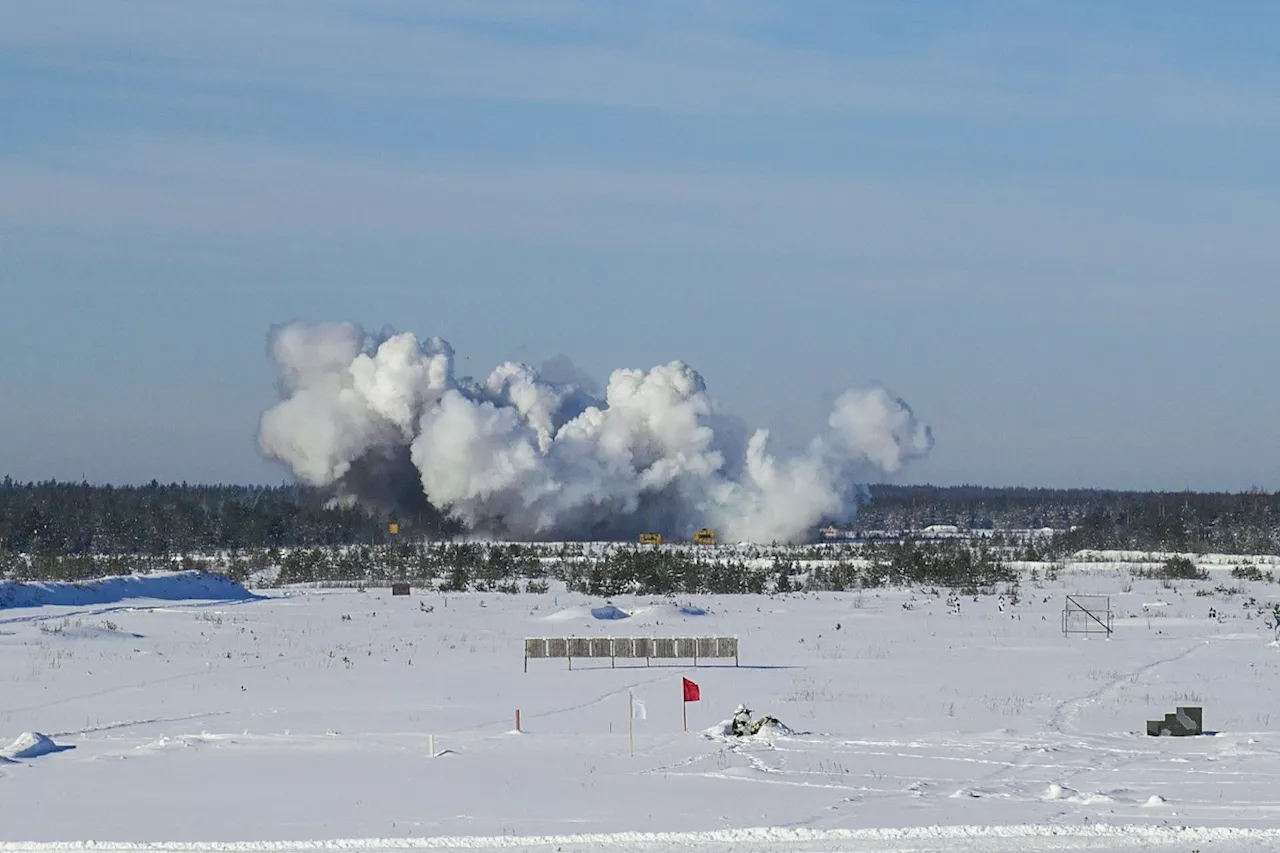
(384,419)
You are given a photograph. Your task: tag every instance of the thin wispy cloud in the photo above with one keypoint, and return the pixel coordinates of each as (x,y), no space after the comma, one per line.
(667,57)
(256,193)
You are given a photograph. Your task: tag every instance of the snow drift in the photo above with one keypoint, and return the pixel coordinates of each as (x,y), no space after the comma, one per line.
(609,612)
(602,613)
(31,745)
(166,586)
(658,614)
(517,455)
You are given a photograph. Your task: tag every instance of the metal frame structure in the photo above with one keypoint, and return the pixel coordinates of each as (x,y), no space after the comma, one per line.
(1087,614)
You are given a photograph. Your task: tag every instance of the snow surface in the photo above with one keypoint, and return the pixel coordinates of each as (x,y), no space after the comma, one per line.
(933,839)
(304,721)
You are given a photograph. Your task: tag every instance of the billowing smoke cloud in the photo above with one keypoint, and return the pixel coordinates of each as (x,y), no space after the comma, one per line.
(384,419)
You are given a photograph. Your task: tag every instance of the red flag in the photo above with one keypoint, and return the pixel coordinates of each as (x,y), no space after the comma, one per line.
(691,692)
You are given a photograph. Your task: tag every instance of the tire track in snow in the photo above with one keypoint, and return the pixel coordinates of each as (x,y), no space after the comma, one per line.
(127,608)
(1069,709)
(148,683)
(128,724)
(686,762)
(578,707)
(1014,774)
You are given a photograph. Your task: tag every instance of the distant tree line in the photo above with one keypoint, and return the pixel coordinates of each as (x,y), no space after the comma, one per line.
(637,570)
(619,570)
(156,520)
(1199,522)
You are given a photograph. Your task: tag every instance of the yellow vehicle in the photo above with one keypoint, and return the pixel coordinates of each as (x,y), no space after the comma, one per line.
(654,539)
(704,537)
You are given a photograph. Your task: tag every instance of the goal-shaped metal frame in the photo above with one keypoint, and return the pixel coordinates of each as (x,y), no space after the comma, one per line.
(1087,614)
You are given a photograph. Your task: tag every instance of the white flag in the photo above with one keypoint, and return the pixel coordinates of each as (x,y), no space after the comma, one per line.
(637,710)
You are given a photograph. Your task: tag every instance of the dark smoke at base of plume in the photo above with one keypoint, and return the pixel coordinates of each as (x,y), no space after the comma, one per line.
(385,482)
(384,420)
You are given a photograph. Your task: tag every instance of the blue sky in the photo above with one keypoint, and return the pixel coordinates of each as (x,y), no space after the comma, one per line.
(1050,227)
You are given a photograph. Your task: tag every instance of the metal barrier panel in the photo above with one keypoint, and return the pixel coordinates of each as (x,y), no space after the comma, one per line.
(1192,718)
(649,648)
(664,647)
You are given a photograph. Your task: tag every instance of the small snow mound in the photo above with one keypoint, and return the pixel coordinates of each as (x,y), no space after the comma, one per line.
(567,615)
(658,613)
(606,612)
(971,793)
(31,745)
(722,729)
(1155,800)
(1060,792)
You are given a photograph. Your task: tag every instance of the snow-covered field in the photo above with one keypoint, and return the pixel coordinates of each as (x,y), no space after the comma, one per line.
(311,714)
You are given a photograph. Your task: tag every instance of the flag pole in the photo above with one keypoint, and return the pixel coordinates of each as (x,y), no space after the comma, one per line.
(684,713)
(631,722)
